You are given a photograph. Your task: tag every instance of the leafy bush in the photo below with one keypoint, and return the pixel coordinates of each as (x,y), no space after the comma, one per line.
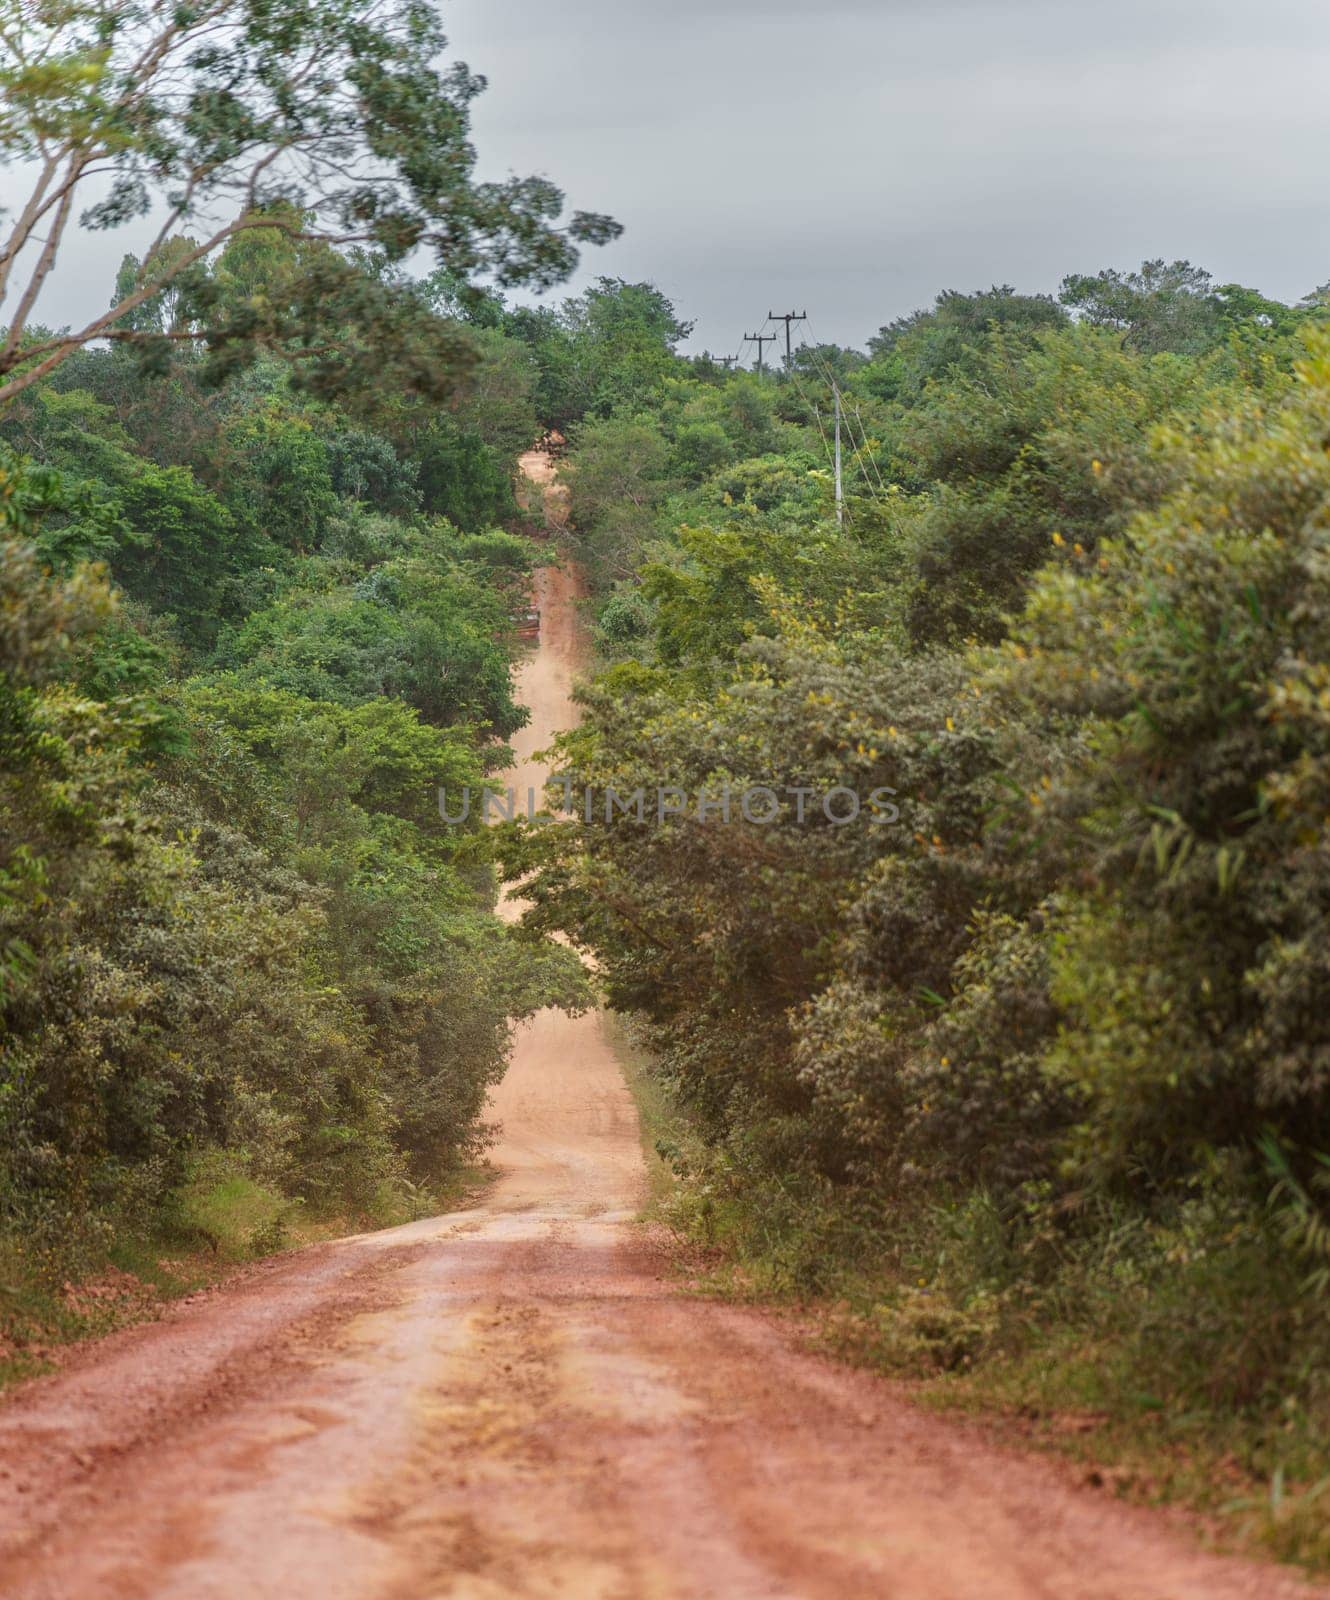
(1035,1076)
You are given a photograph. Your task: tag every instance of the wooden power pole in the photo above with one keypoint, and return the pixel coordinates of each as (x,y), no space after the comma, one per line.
(840,493)
(787,317)
(759,339)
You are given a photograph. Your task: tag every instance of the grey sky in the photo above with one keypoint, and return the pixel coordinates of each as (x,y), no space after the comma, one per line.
(858,156)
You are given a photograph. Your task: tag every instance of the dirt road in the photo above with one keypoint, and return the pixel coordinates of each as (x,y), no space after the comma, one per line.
(516,1403)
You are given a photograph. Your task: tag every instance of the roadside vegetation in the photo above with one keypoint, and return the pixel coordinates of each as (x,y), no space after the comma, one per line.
(249,975)
(1025,1085)
(1026,1089)
(258,581)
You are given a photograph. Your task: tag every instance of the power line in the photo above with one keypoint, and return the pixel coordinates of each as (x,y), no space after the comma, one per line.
(872,460)
(833,453)
(817,415)
(843,429)
(861,455)
(864,459)
(867,467)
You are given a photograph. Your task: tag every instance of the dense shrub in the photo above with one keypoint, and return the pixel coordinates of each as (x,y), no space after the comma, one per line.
(1042,1066)
(243,963)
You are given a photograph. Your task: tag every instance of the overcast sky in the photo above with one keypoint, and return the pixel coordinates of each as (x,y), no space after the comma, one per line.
(854,157)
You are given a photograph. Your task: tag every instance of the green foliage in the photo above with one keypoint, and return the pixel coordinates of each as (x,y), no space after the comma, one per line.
(1164,306)
(464,479)
(942,342)
(1057,442)
(607,349)
(498,399)
(1186,961)
(617,477)
(1174,306)
(245,966)
(426,623)
(152,1008)
(286,483)
(194,114)
(170,542)
(1033,1071)
(364,467)
(220,1205)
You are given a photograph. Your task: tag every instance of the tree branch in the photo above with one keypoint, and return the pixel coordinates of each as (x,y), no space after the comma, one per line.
(95,329)
(22,229)
(40,273)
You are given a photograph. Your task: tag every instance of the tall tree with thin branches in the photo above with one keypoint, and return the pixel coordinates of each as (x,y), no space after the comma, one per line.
(333,122)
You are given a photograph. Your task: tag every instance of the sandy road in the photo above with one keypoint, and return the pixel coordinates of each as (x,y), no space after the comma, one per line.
(515,1402)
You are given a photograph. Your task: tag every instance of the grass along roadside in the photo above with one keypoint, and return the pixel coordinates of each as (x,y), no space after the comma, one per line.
(661,1124)
(1170,1373)
(222,1221)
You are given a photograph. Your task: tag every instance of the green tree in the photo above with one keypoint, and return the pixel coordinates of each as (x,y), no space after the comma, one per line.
(498,399)
(285,486)
(462,478)
(948,337)
(611,347)
(1037,448)
(364,466)
(329,123)
(1164,306)
(1189,952)
(617,474)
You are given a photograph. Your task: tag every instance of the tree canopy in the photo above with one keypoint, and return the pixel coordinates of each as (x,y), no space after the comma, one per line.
(328,123)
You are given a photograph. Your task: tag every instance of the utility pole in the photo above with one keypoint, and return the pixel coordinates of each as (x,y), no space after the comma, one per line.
(759,339)
(840,495)
(787,317)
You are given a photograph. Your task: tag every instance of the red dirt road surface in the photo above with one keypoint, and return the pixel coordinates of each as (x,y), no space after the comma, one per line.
(515,1402)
